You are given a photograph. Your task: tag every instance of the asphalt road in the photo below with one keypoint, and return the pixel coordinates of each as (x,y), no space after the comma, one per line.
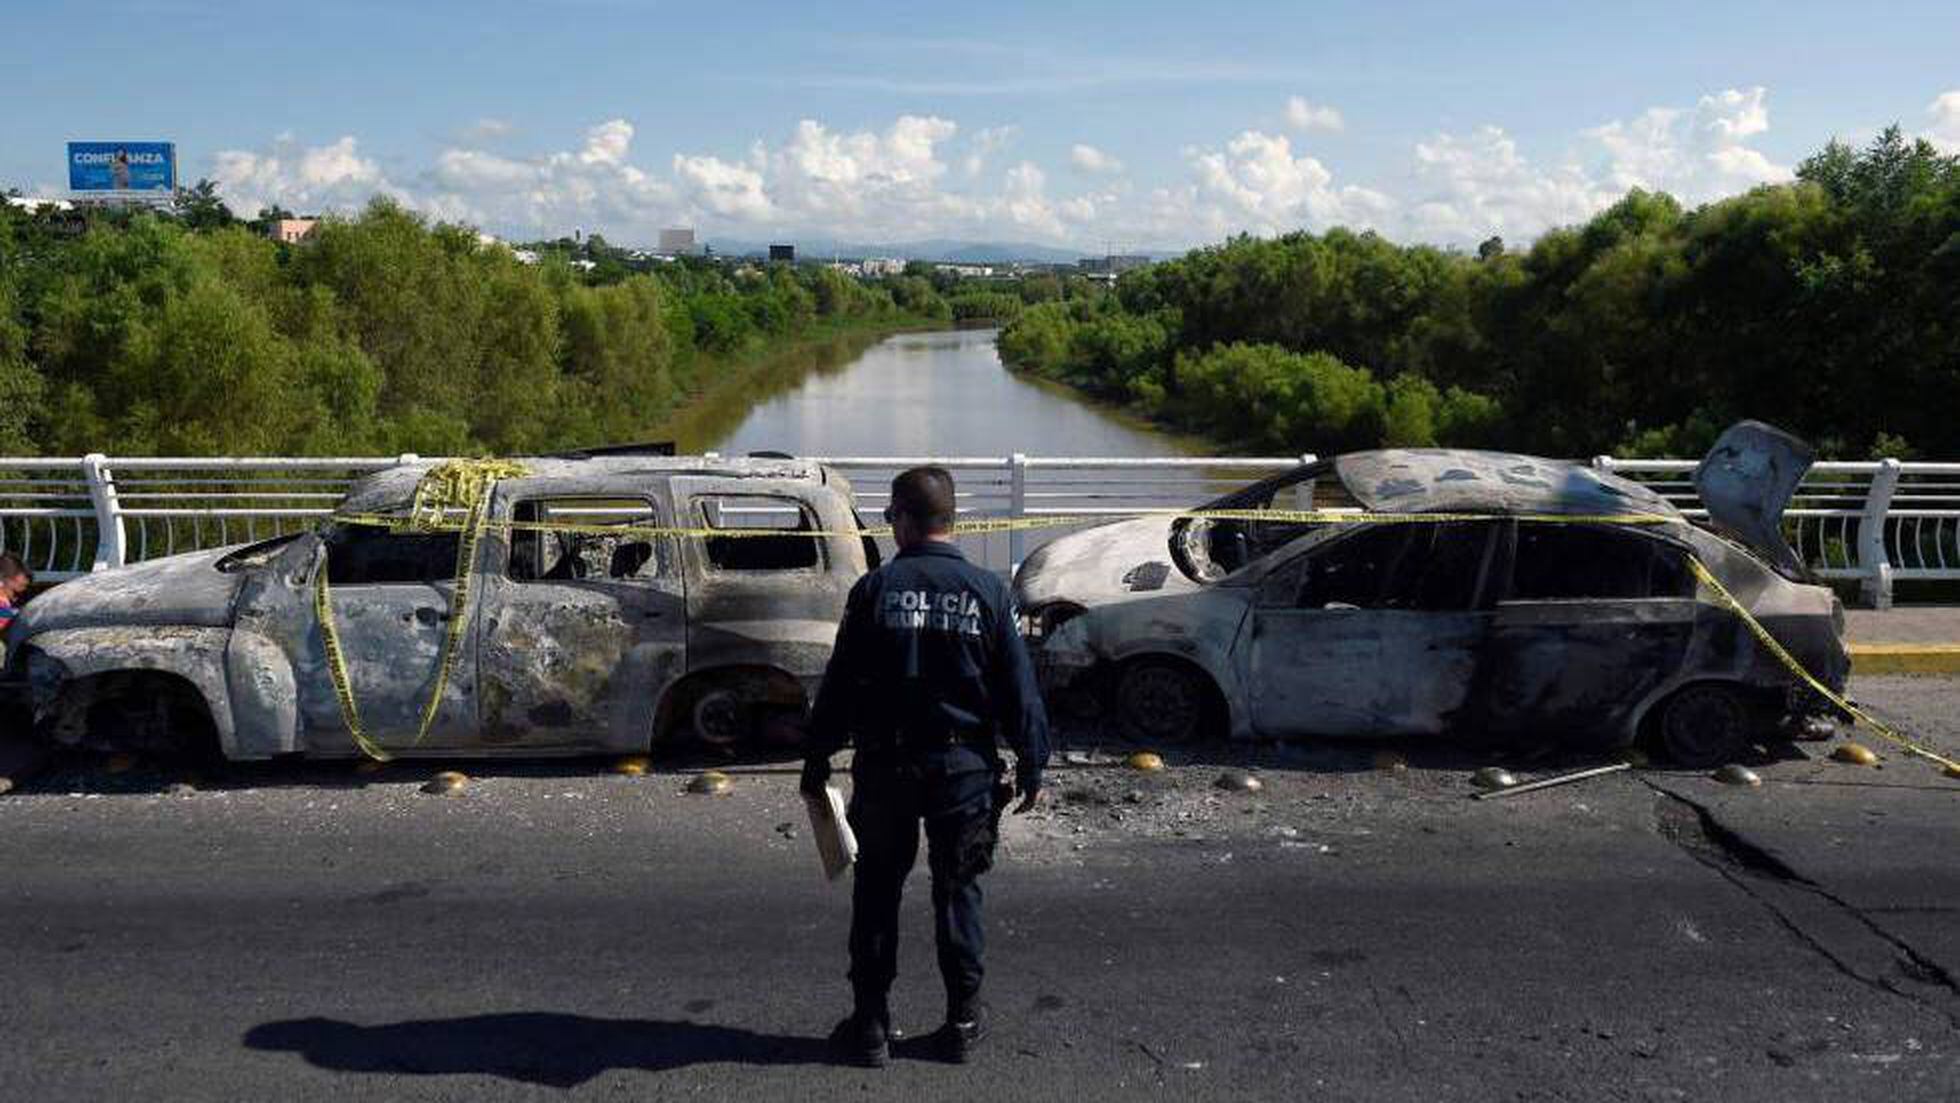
(1344,933)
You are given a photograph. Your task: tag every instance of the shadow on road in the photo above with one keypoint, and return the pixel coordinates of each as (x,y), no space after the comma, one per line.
(535,1047)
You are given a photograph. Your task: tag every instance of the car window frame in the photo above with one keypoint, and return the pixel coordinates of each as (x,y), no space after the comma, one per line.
(326,548)
(811,522)
(669,561)
(1482,593)
(1506,580)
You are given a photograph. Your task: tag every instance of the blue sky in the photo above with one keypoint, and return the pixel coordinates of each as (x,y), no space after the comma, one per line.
(1134,125)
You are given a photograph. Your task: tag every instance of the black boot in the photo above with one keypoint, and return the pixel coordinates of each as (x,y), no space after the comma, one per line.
(960,1037)
(863,1039)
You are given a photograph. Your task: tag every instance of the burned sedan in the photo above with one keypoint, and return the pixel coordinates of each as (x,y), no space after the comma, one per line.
(1561,605)
(577,639)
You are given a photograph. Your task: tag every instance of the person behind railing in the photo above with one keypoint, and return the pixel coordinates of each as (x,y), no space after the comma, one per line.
(15,580)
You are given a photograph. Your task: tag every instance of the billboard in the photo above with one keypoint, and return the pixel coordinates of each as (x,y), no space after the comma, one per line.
(122,167)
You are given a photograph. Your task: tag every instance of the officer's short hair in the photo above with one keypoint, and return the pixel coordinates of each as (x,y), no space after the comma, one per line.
(925,494)
(10,565)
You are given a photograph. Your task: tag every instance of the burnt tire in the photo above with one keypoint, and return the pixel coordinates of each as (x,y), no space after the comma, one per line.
(1707,725)
(150,716)
(722,716)
(1157,702)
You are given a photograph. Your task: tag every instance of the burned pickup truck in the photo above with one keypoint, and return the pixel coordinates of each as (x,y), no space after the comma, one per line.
(1562,605)
(578,640)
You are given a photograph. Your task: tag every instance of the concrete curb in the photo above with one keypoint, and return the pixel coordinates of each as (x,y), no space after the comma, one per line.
(1905,658)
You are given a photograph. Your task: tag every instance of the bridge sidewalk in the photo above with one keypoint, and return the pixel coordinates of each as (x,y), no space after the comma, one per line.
(1917,639)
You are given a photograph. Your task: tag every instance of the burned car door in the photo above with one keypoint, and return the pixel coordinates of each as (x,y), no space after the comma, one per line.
(1590,620)
(392,594)
(579,629)
(764,599)
(1746,482)
(1372,633)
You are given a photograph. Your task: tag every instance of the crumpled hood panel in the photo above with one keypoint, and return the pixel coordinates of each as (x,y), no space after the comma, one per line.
(184,590)
(1107,563)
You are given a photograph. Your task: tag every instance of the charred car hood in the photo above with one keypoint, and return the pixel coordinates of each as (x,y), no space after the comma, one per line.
(181,590)
(1107,563)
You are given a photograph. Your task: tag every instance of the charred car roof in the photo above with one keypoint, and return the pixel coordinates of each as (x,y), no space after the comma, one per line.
(393,487)
(1447,480)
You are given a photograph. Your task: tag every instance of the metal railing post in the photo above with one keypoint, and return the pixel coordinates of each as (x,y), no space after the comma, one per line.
(1017,507)
(111,542)
(1876,585)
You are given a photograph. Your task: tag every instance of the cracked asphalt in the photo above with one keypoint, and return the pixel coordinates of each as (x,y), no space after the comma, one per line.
(313,932)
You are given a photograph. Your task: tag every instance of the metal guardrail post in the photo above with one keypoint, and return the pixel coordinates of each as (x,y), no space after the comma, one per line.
(1876,586)
(1017,507)
(111,542)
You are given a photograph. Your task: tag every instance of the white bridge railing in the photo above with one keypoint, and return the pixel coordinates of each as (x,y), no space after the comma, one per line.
(1877,522)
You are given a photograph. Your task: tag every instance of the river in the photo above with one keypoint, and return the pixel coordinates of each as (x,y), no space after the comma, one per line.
(939,393)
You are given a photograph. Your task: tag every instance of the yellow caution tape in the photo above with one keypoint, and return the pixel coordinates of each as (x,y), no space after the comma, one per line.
(457,485)
(446,523)
(455,497)
(1879,727)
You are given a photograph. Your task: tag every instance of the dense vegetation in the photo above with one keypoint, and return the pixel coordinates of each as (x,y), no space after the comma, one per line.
(190,333)
(1830,305)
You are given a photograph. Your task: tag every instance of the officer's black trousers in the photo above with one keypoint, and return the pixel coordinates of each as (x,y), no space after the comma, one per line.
(952,791)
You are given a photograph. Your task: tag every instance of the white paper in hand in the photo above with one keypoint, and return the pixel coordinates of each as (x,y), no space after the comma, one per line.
(836,845)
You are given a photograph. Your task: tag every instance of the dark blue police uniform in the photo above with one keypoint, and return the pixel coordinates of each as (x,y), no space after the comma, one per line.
(928,677)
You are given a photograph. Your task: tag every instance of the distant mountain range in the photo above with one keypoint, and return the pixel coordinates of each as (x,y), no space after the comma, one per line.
(951,252)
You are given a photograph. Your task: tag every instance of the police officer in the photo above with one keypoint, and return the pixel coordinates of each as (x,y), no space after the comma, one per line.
(928,674)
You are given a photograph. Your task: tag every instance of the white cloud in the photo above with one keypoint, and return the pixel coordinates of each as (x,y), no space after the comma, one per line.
(717,186)
(1090,159)
(924,176)
(1255,184)
(1945,131)
(1480,183)
(1305,117)
(594,184)
(487,129)
(1694,155)
(985,143)
(306,179)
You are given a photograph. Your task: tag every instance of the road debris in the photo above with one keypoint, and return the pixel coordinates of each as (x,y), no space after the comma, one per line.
(446,783)
(1239,781)
(632,766)
(1493,777)
(710,783)
(1736,774)
(1512,787)
(1855,754)
(1146,761)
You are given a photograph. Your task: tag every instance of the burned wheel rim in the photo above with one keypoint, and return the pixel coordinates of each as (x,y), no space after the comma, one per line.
(1159,702)
(1705,726)
(721,718)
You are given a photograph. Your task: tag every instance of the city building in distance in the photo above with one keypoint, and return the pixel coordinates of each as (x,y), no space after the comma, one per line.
(290,231)
(1114,264)
(678,242)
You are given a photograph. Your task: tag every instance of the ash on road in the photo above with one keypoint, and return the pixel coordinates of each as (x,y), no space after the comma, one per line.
(314,932)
